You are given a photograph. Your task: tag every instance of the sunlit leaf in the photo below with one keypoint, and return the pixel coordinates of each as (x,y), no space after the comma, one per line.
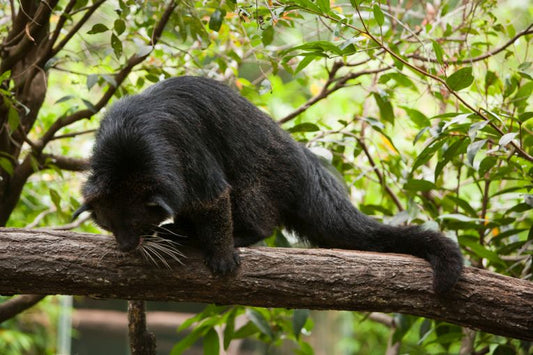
(460,79)
(439,53)
(211,343)
(378,15)
(98,28)
(216,19)
(116,44)
(260,322)
(473,149)
(507,138)
(304,127)
(298,320)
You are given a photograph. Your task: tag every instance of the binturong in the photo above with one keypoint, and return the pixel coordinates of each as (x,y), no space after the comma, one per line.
(193,150)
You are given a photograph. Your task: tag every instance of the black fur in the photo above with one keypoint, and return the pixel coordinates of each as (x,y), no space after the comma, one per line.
(230,175)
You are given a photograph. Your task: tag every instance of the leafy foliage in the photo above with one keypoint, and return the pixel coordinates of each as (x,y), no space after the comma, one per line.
(423,108)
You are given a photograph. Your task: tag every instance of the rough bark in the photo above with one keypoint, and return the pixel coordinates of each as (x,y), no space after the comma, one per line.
(56,262)
(142,342)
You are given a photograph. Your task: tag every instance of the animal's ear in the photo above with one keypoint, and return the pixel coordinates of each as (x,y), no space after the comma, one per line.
(158,200)
(83,208)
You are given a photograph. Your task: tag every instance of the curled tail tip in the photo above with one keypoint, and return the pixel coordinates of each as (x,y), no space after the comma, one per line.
(445,280)
(447,267)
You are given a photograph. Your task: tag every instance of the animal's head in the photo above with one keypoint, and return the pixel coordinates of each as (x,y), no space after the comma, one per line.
(129,212)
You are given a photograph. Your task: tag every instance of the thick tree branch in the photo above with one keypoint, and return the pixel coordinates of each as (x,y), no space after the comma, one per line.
(32,30)
(49,262)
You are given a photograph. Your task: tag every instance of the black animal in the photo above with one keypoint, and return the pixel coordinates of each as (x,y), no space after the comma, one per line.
(192,149)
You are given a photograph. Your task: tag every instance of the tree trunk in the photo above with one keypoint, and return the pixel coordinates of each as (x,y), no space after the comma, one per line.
(52,262)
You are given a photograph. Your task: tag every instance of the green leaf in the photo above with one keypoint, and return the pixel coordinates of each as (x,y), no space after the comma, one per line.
(507,138)
(260,322)
(486,164)
(119,26)
(6,165)
(211,343)
(378,15)
(417,117)
(439,53)
(305,62)
(299,318)
(475,127)
(246,331)
(324,5)
(480,250)
(403,324)
(428,153)
(89,105)
(459,217)
(187,342)
(56,199)
(216,19)
(452,152)
(98,28)
(490,79)
(304,127)
(522,96)
(229,329)
(385,107)
(64,98)
(92,79)
(472,150)
(318,46)
(116,44)
(13,119)
(419,185)
(525,116)
(461,79)
(267,35)
(400,79)
(5,76)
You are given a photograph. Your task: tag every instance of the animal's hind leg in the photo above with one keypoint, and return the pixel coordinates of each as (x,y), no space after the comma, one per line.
(254,218)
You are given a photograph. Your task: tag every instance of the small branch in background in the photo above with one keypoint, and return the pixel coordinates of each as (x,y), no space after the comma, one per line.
(142,342)
(388,321)
(69,226)
(65,163)
(339,83)
(73,134)
(17,304)
(525,32)
(40,217)
(52,51)
(391,193)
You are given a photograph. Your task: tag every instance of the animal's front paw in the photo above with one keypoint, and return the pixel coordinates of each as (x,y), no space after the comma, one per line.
(223,264)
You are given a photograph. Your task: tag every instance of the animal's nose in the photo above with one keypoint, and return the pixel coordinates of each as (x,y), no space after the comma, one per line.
(127,244)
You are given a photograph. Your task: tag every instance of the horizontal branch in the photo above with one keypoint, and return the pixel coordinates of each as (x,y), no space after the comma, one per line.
(484,56)
(54,262)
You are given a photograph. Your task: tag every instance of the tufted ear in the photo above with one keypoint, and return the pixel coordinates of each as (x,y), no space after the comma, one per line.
(158,200)
(83,208)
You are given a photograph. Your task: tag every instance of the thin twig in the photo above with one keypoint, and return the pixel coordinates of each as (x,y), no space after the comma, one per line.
(525,32)
(340,82)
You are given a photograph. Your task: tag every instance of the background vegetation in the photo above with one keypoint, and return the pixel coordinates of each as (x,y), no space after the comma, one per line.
(423,107)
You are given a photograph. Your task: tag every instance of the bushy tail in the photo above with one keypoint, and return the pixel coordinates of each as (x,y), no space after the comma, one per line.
(327,218)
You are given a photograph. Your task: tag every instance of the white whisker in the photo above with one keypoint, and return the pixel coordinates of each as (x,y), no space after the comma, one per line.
(149,257)
(172,232)
(157,255)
